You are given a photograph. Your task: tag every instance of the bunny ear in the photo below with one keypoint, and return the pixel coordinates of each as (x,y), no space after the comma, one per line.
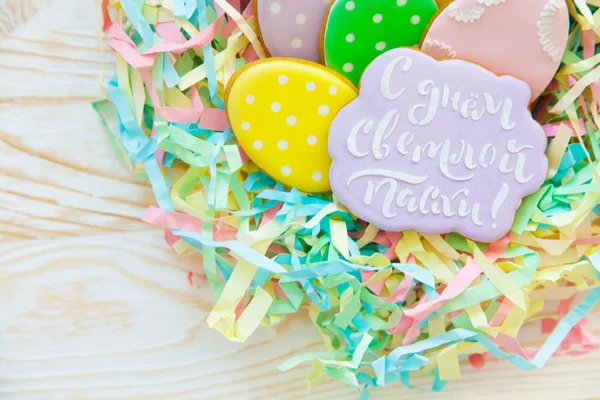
(525,39)
(292,28)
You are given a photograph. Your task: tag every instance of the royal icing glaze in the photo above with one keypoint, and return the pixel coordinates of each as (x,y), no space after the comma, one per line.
(292,28)
(280,111)
(437,147)
(358,31)
(525,39)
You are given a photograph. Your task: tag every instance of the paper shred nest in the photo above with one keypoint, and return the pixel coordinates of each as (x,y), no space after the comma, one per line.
(389,306)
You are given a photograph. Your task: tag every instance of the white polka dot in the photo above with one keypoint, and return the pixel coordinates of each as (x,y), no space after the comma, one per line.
(401,3)
(323,110)
(348,67)
(311,86)
(301,19)
(297,43)
(312,140)
(250,99)
(275,8)
(282,145)
(258,144)
(291,120)
(275,107)
(286,170)
(333,90)
(246,126)
(350,38)
(317,176)
(415,19)
(377,18)
(380,46)
(350,6)
(283,80)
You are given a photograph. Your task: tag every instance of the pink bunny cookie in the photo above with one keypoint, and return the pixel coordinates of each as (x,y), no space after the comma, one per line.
(522,38)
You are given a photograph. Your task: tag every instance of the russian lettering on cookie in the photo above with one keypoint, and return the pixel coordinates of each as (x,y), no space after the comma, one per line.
(437,147)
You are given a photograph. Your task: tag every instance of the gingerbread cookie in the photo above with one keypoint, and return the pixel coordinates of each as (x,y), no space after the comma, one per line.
(358,31)
(525,39)
(280,111)
(437,147)
(292,28)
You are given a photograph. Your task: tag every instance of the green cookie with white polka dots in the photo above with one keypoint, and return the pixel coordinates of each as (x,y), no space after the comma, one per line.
(358,31)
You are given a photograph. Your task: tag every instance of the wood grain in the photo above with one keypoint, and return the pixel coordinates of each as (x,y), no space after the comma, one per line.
(93,304)
(58,175)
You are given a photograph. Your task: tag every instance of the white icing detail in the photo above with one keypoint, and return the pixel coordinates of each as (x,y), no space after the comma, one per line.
(352,141)
(387,77)
(301,19)
(443,47)
(384,130)
(425,88)
(323,110)
(486,160)
(514,148)
(404,140)
(499,201)
(275,8)
(489,3)
(545,24)
(467,108)
(282,145)
(388,200)
(384,173)
(286,170)
(475,215)
(466,14)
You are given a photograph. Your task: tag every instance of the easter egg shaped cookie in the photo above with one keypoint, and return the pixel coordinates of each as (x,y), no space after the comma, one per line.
(280,111)
(292,28)
(358,31)
(525,39)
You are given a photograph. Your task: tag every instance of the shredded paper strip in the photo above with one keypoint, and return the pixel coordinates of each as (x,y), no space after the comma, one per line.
(389,306)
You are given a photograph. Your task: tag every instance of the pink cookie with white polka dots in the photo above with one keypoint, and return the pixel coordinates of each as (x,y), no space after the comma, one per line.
(292,28)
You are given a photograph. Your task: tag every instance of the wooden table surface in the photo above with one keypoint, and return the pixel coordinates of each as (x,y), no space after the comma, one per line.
(93,304)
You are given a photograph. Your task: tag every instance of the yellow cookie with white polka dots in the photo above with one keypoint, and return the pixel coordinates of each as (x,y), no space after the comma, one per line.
(280,110)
